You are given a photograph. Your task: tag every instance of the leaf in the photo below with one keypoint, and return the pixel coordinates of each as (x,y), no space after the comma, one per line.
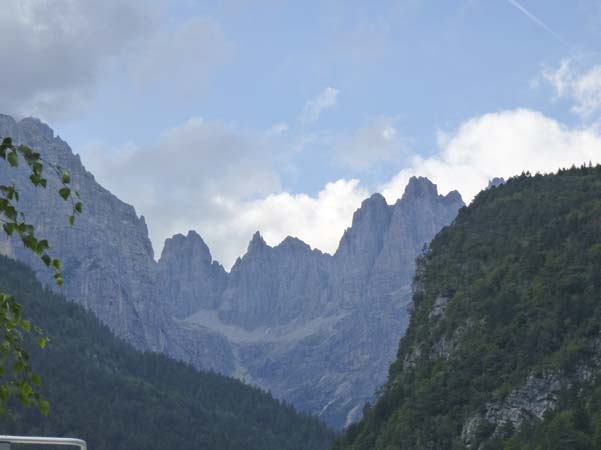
(42,342)
(35,379)
(66,178)
(43,245)
(44,407)
(71,220)
(9,228)
(13,158)
(56,264)
(47,260)
(26,389)
(64,193)
(18,366)
(79,207)
(4,392)
(10,212)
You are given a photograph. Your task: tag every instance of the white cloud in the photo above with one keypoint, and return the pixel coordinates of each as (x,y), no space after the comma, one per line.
(222,181)
(218,180)
(583,87)
(56,52)
(314,107)
(186,53)
(500,144)
(318,220)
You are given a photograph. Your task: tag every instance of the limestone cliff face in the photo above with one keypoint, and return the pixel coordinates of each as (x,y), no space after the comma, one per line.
(107,257)
(272,286)
(317,330)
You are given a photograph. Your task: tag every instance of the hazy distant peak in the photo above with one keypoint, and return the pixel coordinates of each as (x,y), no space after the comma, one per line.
(36,125)
(191,244)
(293,243)
(496,181)
(454,197)
(420,187)
(375,202)
(257,243)
(193,235)
(372,207)
(7,120)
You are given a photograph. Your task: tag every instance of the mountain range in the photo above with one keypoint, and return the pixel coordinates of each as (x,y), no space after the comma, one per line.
(315,329)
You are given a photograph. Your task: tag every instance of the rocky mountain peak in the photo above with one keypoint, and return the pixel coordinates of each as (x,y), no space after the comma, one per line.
(371,208)
(293,244)
(34,126)
(6,121)
(191,247)
(257,244)
(419,187)
(496,181)
(454,197)
(188,276)
(370,221)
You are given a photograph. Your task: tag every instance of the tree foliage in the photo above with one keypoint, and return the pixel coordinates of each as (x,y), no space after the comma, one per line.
(519,273)
(117,398)
(16,373)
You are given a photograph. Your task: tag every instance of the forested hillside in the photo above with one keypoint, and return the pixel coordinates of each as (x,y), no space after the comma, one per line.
(503,350)
(102,390)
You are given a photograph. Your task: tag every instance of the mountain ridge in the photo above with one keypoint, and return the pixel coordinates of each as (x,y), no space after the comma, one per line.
(318,330)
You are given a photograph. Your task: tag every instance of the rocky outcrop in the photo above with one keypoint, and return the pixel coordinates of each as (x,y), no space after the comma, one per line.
(533,400)
(536,397)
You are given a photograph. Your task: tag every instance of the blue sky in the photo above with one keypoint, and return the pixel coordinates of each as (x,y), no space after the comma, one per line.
(281,116)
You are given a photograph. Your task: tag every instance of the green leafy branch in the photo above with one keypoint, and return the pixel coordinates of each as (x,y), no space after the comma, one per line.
(16,374)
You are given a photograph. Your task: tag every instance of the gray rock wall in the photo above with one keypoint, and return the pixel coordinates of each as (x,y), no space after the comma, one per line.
(321,330)
(107,257)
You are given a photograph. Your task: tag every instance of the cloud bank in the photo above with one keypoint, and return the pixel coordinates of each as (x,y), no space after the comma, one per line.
(223,181)
(56,52)
(500,144)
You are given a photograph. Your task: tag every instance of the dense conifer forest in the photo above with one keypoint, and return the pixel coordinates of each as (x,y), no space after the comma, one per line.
(100,389)
(503,351)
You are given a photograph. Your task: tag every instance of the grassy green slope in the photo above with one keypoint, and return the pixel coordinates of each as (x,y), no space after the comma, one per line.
(102,390)
(507,298)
